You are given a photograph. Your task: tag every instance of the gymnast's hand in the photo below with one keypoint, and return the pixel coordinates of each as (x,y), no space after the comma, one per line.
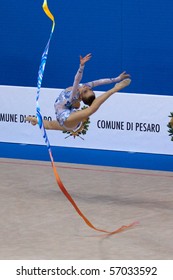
(84,59)
(123,76)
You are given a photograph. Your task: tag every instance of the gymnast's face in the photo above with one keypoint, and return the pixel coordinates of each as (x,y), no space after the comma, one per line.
(87,95)
(86,92)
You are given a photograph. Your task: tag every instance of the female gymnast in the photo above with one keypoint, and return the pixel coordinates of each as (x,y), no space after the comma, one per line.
(68,115)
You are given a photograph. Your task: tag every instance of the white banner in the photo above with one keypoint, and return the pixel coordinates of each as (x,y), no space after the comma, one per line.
(125,122)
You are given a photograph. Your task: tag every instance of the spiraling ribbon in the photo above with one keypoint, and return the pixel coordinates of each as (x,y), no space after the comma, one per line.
(41,126)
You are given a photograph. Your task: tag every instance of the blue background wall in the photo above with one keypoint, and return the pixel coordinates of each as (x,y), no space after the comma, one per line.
(135,36)
(131,35)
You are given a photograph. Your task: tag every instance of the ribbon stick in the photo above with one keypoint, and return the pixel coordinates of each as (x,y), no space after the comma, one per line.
(41,126)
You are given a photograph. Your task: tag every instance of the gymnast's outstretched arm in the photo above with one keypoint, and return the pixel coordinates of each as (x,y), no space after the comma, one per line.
(107,81)
(79,74)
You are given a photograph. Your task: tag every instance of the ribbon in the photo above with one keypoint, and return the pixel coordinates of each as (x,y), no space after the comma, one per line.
(41,126)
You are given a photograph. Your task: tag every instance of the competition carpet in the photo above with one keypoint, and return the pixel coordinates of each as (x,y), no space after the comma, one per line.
(37,221)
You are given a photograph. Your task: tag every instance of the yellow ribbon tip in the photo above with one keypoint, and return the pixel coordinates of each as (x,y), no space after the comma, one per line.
(47,11)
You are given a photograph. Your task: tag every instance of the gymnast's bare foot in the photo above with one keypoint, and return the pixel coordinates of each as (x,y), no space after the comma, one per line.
(32,120)
(122,84)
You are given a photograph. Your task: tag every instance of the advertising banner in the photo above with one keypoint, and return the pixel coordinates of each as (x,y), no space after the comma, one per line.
(125,122)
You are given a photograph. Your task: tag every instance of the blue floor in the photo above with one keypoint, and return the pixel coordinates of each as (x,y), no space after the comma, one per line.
(88,156)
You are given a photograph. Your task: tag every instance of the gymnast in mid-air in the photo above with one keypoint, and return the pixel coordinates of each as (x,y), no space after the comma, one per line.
(69,116)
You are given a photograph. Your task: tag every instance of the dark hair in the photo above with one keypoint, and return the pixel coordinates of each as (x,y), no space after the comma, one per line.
(88,100)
